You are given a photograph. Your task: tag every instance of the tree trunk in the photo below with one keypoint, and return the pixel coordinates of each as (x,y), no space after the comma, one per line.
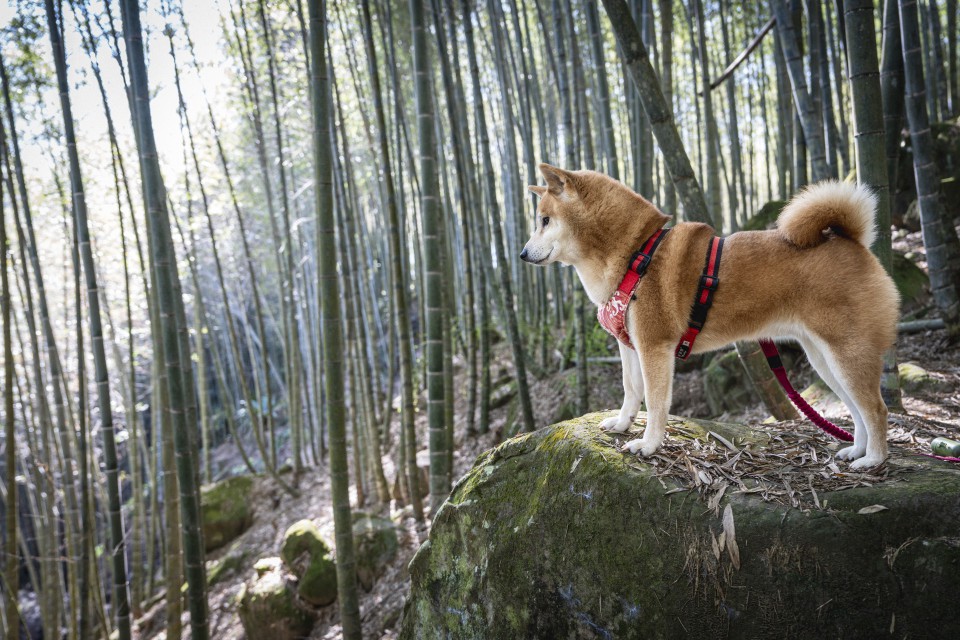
(432,243)
(637,61)
(330,299)
(939,236)
(11,566)
(608,144)
(864,77)
(713,194)
(182,406)
(111,468)
(806,111)
(401,310)
(506,288)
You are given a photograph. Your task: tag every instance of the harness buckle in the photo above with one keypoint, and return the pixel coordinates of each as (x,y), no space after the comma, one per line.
(709,282)
(644,261)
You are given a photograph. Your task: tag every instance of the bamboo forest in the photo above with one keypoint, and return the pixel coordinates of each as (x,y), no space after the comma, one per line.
(276,364)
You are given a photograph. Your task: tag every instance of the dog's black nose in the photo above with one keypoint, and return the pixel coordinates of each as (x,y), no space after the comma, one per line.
(523,254)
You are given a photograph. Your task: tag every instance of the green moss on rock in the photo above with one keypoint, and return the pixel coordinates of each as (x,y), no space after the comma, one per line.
(911,281)
(219,570)
(226,510)
(268,608)
(557,534)
(914,379)
(375,545)
(308,557)
(726,385)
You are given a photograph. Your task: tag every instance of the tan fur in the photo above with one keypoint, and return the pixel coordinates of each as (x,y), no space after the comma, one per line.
(844,208)
(825,290)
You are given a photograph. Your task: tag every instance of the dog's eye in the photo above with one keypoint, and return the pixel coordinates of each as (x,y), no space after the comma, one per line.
(546,221)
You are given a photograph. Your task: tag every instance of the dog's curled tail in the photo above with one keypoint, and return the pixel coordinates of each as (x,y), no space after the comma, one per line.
(847,209)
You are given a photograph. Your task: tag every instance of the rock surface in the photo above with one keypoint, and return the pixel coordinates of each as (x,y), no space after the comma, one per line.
(226,510)
(916,379)
(233,561)
(268,606)
(557,534)
(308,557)
(375,545)
(726,385)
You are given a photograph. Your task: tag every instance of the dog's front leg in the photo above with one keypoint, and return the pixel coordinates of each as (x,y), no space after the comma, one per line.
(657,368)
(632,391)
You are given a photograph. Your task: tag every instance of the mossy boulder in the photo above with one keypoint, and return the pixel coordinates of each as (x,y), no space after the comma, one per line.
(375,545)
(911,281)
(503,394)
(766,218)
(226,510)
(308,557)
(268,607)
(232,562)
(726,384)
(916,379)
(558,534)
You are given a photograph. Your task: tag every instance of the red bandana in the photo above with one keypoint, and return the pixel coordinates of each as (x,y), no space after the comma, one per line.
(612,314)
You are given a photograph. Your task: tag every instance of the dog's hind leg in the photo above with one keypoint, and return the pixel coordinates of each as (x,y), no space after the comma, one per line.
(657,367)
(854,374)
(632,392)
(815,354)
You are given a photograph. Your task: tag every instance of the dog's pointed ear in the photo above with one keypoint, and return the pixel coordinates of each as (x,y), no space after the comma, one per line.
(557,179)
(540,191)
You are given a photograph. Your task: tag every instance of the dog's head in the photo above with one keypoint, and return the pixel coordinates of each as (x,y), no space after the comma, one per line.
(559,218)
(582,215)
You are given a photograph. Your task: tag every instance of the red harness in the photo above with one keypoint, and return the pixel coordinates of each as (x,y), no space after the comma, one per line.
(612,316)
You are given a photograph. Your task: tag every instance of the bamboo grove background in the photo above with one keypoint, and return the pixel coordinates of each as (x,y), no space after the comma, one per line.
(272,226)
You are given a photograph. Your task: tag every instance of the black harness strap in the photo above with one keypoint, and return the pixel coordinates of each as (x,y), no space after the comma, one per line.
(701,304)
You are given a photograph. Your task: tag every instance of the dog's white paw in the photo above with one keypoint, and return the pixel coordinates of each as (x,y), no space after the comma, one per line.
(645,447)
(851,453)
(867,462)
(616,425)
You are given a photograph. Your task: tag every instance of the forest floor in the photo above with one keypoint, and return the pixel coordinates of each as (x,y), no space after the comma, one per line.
(932,410)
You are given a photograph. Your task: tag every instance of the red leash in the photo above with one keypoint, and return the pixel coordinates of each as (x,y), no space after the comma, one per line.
(773,359)
(776,365)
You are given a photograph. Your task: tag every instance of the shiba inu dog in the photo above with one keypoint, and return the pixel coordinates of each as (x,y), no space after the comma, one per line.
(812,279)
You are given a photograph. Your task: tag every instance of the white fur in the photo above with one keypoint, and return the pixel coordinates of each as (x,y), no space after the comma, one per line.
(632,392)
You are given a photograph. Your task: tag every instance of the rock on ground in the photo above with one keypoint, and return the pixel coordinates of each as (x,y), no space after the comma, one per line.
(268,606)
(557,534)
(226,510)
(375,545)
(308,557)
